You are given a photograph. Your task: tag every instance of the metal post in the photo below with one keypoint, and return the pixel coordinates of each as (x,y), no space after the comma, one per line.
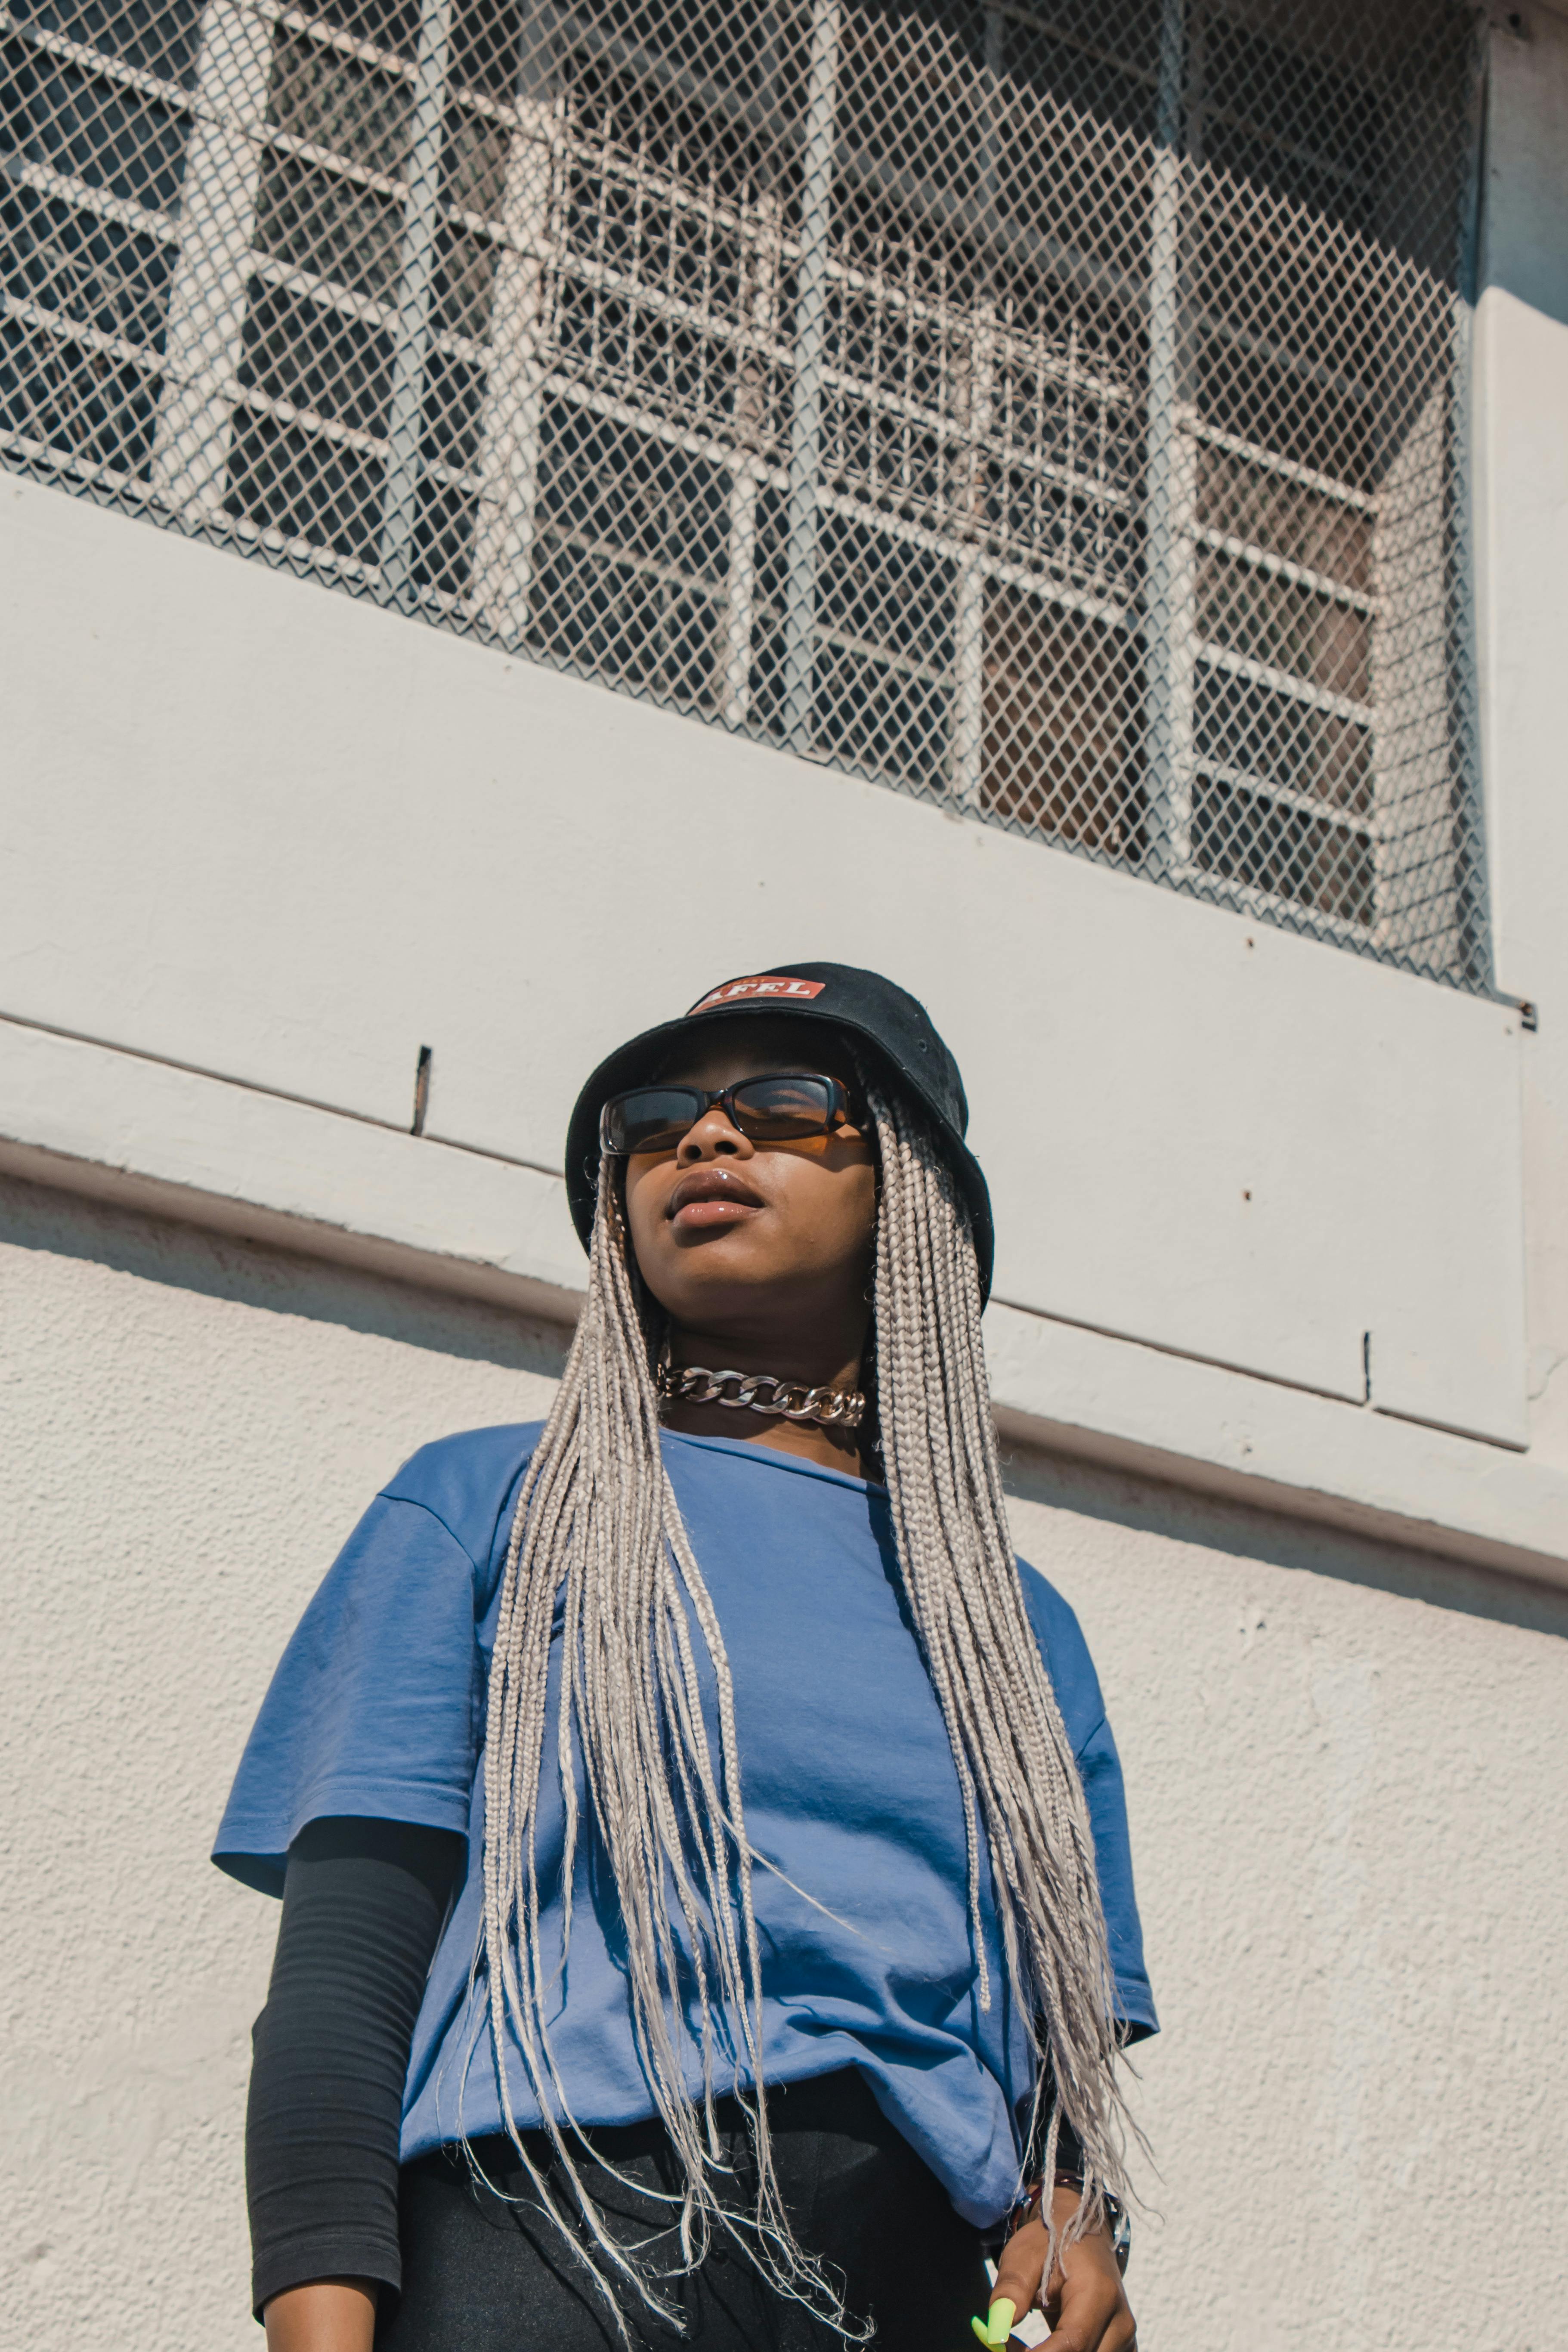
(740,597)
(1427,833)
(969,680)
(969,605)
(1474,947)
(810,343)
(1169,615)
(210,295)
(760,315)
(416,281)
(507,462)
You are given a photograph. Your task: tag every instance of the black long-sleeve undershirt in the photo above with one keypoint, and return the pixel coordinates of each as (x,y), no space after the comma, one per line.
(363,1902)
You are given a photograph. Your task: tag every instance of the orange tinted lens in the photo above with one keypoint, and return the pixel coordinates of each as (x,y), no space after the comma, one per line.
(775,1110)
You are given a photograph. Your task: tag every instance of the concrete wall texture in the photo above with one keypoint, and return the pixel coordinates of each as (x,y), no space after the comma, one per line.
(1343,1760)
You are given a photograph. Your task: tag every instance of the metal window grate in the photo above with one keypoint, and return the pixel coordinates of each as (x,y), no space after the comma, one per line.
(1054,409)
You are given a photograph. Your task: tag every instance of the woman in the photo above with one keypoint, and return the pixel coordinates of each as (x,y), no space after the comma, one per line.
(705,1736)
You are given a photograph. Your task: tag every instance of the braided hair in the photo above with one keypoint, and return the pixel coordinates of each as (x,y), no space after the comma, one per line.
(598,1533)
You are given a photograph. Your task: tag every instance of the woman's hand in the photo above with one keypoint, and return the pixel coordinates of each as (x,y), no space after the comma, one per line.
(327,2315)
(1084,2300)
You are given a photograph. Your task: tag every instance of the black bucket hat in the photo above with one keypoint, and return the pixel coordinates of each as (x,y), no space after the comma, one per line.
(885,1019)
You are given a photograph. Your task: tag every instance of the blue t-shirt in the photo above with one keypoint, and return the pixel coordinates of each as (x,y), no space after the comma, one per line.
(378,1708)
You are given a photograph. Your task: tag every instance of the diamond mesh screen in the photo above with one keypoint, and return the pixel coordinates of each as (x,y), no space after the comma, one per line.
(1052,410)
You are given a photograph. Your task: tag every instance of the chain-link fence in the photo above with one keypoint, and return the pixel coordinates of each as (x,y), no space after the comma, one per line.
(1053,409)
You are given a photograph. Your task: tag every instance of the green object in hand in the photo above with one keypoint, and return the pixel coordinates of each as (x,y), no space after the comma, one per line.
(998,2326)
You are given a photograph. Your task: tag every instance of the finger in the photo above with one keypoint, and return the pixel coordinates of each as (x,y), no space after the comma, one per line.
(1021,2267)
(1090,2307)
(1016,2286)
(1075,2335)
(997,2325)
(1084,2332)
(1119,2334)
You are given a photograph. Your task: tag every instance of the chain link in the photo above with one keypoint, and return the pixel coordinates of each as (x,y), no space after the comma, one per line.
(761,1392)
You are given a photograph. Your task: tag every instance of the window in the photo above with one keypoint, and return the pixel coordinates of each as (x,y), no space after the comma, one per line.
(1051,409)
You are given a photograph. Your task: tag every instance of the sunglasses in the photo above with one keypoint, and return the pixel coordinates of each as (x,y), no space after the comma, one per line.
(778,1108)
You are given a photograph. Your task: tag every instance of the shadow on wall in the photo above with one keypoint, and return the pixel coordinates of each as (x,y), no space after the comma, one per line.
(1216,1524)
(275,1281)
(1523,251)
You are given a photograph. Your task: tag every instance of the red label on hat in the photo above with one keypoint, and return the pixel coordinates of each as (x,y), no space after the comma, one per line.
(767,984)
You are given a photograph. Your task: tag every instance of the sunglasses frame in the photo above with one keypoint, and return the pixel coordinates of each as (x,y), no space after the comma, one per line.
(707,1098)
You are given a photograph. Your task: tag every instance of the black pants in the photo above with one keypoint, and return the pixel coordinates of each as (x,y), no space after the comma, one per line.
(483,2275)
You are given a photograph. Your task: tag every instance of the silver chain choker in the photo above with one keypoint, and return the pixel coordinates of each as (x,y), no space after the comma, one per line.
(760,1393)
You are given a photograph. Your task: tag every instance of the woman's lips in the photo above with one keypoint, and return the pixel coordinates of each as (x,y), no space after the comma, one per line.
(709,1196)
(714,1212)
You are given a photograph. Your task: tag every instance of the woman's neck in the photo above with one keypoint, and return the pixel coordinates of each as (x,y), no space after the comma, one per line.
(786,1359)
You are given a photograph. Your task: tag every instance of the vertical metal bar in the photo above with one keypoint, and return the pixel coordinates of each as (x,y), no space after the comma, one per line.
(969,607)
(1169,475)
(508,461)
(1412,766)
(1475,955)
(810,343)
(969,603)
(1428,841)
(740,596)
(210,294)
(416,283)
(969,679)
(758,315)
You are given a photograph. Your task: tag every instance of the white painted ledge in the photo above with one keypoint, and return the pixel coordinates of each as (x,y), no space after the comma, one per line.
(1277,1447)
(184,1143)
(180,1143)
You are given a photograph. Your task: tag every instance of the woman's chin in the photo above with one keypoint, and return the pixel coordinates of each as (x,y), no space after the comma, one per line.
(715,1287)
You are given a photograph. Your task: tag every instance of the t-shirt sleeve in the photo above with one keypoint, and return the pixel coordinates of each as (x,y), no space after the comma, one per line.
(375,1707)
(1077,1686)
(1099,1767)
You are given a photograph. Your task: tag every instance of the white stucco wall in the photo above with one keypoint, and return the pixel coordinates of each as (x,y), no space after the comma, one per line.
(1347,1765)
(190,1429)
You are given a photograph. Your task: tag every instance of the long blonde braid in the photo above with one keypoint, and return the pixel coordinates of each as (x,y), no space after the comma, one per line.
(598,1530)
(1022,1795)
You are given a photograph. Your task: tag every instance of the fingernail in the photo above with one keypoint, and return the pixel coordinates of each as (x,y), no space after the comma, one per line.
(1004,2311)
(981,2330)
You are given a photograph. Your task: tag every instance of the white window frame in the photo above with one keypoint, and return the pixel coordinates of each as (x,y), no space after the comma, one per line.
(200,396)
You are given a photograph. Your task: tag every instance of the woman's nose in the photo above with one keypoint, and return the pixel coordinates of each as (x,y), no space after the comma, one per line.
(714,1137)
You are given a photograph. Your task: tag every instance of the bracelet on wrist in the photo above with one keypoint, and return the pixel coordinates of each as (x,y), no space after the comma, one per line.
(1027,2208)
